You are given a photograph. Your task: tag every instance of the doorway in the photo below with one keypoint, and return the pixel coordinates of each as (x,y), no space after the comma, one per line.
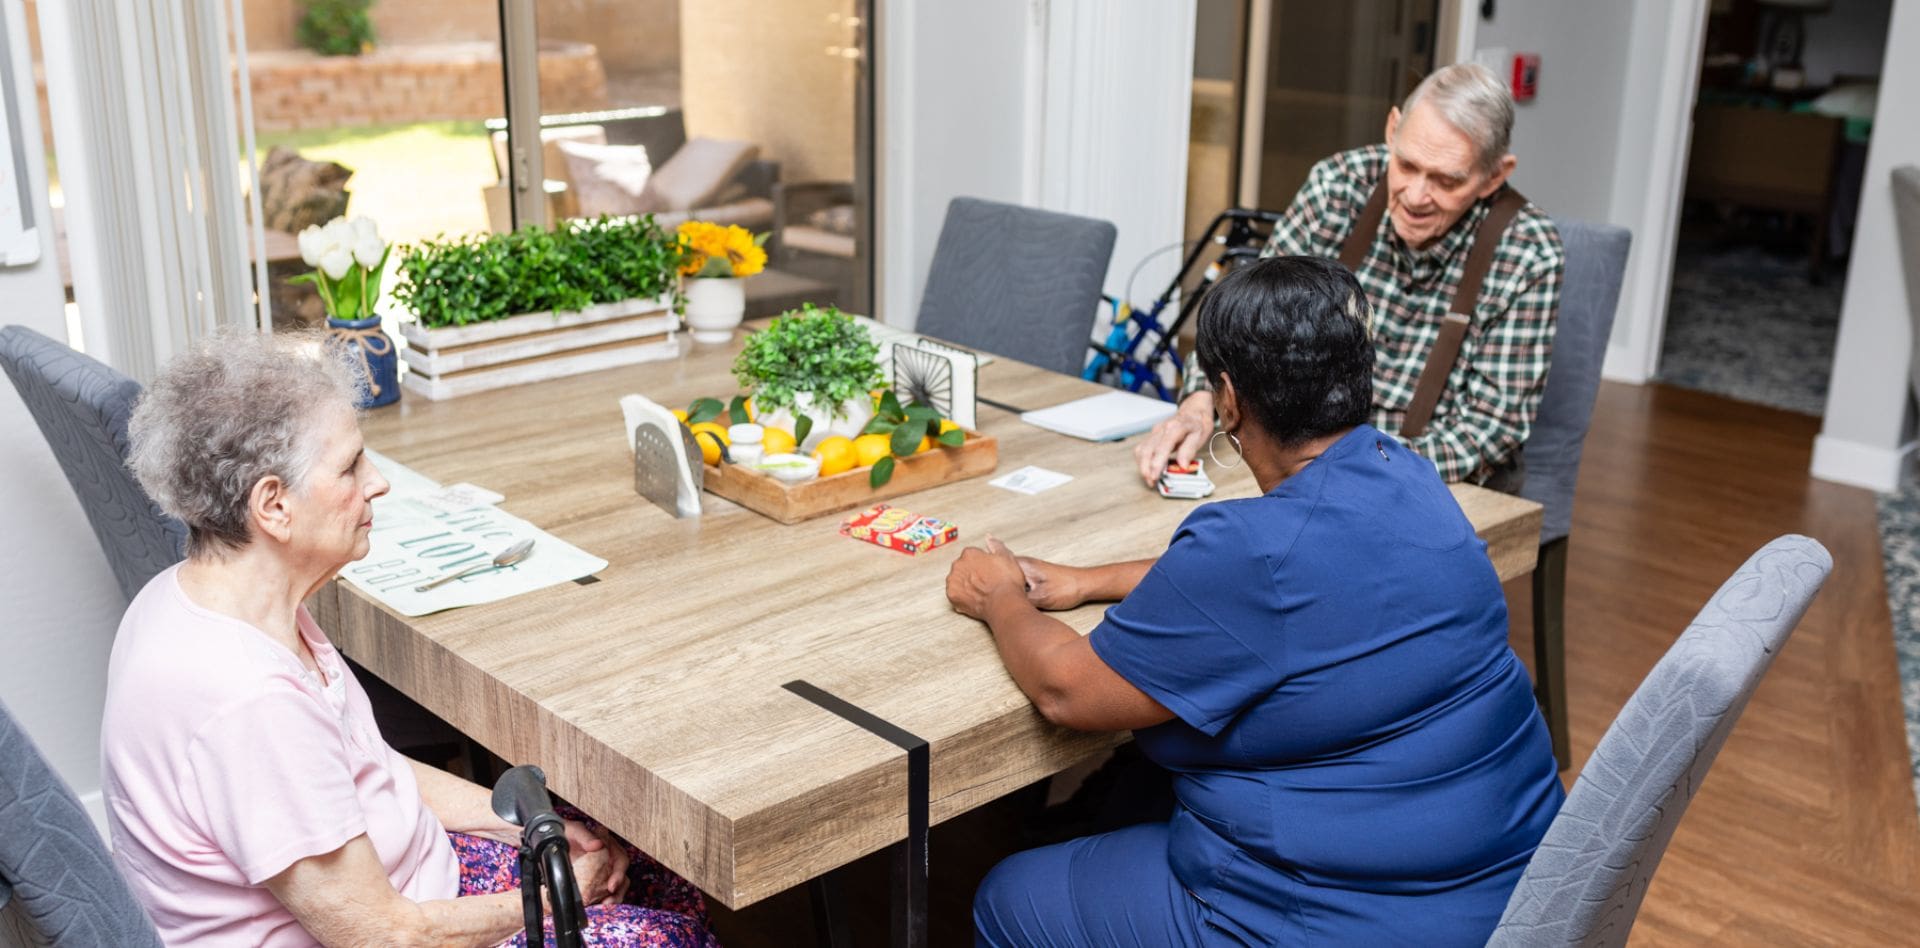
(1781,123)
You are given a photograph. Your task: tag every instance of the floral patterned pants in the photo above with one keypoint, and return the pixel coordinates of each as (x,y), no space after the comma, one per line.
(661,910)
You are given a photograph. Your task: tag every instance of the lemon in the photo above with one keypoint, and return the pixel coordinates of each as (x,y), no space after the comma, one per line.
(835,454)
(946,425)
(680,413)
(869,448)
(710,437)
(776,441)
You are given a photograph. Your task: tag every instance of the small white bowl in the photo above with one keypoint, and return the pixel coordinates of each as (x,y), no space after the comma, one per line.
(792,468)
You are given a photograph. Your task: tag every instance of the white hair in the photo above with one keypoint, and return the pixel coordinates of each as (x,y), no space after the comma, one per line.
(236,408)
(1472,99)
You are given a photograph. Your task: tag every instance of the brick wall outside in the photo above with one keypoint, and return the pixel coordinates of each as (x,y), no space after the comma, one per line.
(294,89)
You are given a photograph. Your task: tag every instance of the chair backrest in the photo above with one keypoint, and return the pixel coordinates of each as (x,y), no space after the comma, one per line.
(1017,281)
(1589,293)
(1586,880)
(82,408)
(62,882)
(1906,216)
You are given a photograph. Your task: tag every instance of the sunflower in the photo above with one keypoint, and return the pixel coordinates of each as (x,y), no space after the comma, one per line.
(713,250)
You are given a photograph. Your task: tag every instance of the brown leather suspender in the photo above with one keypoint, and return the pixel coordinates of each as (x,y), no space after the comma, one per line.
(1453,330)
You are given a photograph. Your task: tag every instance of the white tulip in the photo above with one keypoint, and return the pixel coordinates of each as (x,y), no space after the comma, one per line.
(338,232)
(336,261)
(364,229)
(368,251)
(310,245)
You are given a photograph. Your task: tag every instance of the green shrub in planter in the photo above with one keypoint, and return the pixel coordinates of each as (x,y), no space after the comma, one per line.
(476,278)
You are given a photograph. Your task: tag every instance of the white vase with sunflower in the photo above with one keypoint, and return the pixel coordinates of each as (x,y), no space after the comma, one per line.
(715,260)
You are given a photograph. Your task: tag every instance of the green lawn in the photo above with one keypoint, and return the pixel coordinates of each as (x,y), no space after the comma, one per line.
(414,180)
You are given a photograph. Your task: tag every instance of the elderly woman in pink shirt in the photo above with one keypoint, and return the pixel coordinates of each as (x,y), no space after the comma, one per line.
(250,796)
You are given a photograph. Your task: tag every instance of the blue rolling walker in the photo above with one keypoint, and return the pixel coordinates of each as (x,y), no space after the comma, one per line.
(1140,345)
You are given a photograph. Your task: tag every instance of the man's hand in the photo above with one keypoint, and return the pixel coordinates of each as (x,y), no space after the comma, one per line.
(1050,585)
(1178,438)
(980,575)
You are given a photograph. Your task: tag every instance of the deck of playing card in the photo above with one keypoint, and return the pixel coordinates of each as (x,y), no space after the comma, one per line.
(1185,481)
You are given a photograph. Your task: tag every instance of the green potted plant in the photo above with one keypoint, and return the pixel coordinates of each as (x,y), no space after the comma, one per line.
(500,309)
(814,364)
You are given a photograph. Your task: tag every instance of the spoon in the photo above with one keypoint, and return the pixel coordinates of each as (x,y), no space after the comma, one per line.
(507,557)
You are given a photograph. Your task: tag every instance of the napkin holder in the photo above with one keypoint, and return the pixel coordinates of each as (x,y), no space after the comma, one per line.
(667,468)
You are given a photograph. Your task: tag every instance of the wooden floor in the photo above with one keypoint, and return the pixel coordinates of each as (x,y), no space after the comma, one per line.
(1805,832)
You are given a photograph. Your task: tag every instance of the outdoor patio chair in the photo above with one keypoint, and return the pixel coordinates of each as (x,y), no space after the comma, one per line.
(1017,281)
(1586,881)
(1589,294)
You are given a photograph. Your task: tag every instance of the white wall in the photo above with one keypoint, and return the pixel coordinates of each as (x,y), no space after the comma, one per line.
(60,602)
(1606,138)
(1072,105)
(1564,137)
(1865,437)
(953,120)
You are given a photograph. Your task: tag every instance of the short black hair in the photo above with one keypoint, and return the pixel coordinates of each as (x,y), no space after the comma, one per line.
(1292,334)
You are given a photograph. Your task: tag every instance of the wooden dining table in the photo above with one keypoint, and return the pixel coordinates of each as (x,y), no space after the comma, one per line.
(755,705)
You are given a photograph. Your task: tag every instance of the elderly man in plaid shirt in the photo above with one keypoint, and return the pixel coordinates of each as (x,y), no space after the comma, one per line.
(1445,161)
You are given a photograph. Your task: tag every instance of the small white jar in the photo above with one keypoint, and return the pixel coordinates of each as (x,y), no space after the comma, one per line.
(744,443)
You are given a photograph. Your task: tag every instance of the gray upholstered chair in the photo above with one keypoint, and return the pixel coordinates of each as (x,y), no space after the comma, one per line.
(82,408)
(58,885)
(1906,217)
(1586,881)
(1017,281)
(1589,293)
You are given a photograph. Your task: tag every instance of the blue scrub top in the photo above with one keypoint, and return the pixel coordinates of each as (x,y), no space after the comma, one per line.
(1356,751)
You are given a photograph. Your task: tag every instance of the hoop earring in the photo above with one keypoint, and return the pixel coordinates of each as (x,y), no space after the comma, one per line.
(1236,450)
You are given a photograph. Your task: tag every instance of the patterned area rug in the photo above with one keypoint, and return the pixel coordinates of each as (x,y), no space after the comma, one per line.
(1900,549)
(1744,323)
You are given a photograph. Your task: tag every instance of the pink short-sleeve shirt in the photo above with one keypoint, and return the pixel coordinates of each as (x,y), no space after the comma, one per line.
(225,761)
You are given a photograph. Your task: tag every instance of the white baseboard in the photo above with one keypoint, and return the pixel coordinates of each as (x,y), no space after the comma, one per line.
(1861,465)
(1622,366)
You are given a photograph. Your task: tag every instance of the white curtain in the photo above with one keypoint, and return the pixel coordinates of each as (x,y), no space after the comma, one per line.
(147,137)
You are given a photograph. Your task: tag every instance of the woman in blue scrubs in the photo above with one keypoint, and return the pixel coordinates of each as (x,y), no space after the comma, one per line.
(1356,753)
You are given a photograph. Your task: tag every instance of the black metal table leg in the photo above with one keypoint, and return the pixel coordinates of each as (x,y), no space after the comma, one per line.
(909,856)
(830,923)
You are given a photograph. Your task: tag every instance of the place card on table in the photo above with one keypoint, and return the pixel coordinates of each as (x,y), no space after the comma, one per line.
(422,532)
(1031,480)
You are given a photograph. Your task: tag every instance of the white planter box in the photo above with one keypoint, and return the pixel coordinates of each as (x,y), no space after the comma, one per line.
(458,360)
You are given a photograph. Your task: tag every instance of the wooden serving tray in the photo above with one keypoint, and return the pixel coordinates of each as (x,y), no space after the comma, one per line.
(792,503)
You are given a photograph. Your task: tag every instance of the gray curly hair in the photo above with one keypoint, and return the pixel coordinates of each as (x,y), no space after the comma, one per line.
(238,407)
(1472,99)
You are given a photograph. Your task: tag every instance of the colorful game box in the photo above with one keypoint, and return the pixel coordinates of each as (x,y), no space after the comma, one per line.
(897,529)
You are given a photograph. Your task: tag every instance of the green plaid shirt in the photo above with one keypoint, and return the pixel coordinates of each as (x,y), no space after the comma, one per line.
(1494,390)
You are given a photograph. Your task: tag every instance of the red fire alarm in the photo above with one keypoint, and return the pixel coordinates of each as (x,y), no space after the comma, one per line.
(1526,76)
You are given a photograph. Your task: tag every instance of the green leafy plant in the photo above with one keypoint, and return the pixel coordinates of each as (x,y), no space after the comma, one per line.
(336,27)
(905,427)
(478,278)
(820,353)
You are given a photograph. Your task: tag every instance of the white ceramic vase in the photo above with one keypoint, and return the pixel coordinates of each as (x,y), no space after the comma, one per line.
(715,306)
(853,415)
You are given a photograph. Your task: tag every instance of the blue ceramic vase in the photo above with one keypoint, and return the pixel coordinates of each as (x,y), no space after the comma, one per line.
(363,340)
